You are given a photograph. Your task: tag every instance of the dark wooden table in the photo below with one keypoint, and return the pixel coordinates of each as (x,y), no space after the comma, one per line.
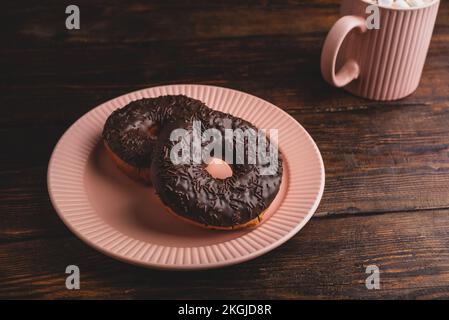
(386,200)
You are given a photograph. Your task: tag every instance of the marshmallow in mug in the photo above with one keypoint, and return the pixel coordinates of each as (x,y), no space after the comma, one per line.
(401,3)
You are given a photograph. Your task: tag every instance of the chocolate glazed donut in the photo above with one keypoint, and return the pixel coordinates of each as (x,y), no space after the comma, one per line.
(190,192)
(130,134)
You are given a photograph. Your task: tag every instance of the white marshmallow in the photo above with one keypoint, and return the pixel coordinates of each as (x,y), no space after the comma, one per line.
(386,3)
(416,3)
(401,3)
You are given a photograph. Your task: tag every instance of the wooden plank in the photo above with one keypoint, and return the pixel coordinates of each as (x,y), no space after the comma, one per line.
(102,22)
(328,259)
(26,210)
(384,159)
(45,84)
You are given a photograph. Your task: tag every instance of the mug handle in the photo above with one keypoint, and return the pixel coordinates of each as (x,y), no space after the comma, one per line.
(334,40)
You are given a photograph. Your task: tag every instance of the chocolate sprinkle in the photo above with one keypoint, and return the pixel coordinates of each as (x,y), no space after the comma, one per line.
(132,131)
(190,191)
(139,135)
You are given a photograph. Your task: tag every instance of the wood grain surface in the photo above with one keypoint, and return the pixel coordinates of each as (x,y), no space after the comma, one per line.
(386,200)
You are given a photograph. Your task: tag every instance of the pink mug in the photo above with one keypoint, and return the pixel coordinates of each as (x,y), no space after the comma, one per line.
(379,64)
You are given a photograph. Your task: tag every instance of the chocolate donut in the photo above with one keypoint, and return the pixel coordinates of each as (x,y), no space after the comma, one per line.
(190,192)
(131,133)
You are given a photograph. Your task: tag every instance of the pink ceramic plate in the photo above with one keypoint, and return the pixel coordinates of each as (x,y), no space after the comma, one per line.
(126,220)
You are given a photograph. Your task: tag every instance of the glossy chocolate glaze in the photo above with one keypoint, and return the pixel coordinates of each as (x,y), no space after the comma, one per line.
(190,191)
(132,131)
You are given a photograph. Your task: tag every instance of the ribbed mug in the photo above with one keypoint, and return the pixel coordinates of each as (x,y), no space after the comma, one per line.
(379,64)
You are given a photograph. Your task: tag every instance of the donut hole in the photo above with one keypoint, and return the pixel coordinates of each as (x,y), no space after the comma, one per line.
(218,168)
